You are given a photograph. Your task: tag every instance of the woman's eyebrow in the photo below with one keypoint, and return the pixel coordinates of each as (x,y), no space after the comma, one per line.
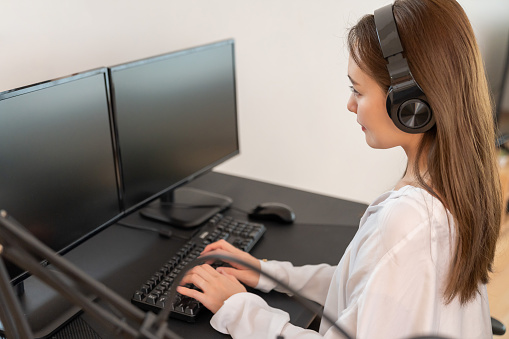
(352,80)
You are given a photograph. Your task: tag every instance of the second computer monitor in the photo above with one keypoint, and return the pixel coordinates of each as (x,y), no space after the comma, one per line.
(176,118)
(58,175)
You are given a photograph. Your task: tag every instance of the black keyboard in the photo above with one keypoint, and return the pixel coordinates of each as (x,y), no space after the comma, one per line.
(153,294)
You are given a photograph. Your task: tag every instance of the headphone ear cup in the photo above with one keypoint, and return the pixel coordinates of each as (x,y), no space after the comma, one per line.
(411,116)
(393,113)
(414,113)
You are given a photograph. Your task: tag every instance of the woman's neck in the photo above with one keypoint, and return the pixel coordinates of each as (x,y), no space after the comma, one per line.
(410,177)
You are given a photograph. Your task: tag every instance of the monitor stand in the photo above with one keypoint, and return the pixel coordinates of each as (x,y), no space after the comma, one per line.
(186,207)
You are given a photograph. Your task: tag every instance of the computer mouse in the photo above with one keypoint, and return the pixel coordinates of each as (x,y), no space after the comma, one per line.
(273,211)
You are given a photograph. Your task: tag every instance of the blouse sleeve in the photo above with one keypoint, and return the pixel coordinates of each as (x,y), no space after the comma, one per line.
(248,316)
(310,281)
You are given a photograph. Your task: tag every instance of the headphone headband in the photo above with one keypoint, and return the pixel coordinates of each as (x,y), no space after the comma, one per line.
(407,104)
(387,31)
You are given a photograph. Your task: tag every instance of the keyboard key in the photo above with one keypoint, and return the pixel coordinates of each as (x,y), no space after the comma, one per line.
(138,295)
(161,302)
(145,289)
(192,308)
(179,308)
(152,298)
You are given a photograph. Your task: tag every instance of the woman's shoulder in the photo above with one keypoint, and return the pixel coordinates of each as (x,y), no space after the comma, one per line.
(407,197)
(408,213)
(415,200)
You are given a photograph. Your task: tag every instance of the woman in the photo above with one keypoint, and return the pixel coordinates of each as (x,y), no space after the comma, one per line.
(420,261)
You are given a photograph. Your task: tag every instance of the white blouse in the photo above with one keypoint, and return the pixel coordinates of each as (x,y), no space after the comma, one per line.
(388,284)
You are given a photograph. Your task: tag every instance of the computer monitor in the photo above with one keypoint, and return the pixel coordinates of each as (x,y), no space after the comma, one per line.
(58,175)
(176,118)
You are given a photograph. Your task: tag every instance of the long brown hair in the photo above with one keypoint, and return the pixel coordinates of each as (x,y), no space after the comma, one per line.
(461,160)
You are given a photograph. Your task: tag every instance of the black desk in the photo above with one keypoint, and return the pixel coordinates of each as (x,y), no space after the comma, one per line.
(122,258)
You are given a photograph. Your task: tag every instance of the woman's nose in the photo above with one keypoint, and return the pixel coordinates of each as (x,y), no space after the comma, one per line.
(351,105)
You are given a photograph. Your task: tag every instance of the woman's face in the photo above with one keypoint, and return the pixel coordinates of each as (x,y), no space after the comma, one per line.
(368,102)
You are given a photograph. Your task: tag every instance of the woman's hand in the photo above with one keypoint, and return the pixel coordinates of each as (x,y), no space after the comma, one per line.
(243,274)
(219,284)
(216,286)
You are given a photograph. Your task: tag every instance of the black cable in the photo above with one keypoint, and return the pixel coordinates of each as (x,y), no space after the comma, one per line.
(305,302)
(163,315)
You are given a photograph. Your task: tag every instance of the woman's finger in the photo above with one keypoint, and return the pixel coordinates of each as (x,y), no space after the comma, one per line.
(191,293)
(248,277)
(221,244)
(224,253)
(199,276)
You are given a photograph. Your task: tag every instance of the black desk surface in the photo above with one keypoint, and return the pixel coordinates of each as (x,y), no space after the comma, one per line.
(123,258)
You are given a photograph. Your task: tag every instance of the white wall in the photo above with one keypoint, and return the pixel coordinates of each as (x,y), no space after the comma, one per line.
(291,72)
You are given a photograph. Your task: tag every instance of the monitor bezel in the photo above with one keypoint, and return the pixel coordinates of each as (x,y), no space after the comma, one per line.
(19,278)
(205,169)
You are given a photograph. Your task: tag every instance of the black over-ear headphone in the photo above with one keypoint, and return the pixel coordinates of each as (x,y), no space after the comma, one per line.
(406,103)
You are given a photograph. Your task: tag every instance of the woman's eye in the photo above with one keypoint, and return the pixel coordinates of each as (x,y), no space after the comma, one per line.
(354,91)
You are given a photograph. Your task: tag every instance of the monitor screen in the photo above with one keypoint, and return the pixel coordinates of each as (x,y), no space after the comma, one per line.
(58,173)
(176,118)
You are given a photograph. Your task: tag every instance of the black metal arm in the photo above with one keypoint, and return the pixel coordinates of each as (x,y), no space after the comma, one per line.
(21,248)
